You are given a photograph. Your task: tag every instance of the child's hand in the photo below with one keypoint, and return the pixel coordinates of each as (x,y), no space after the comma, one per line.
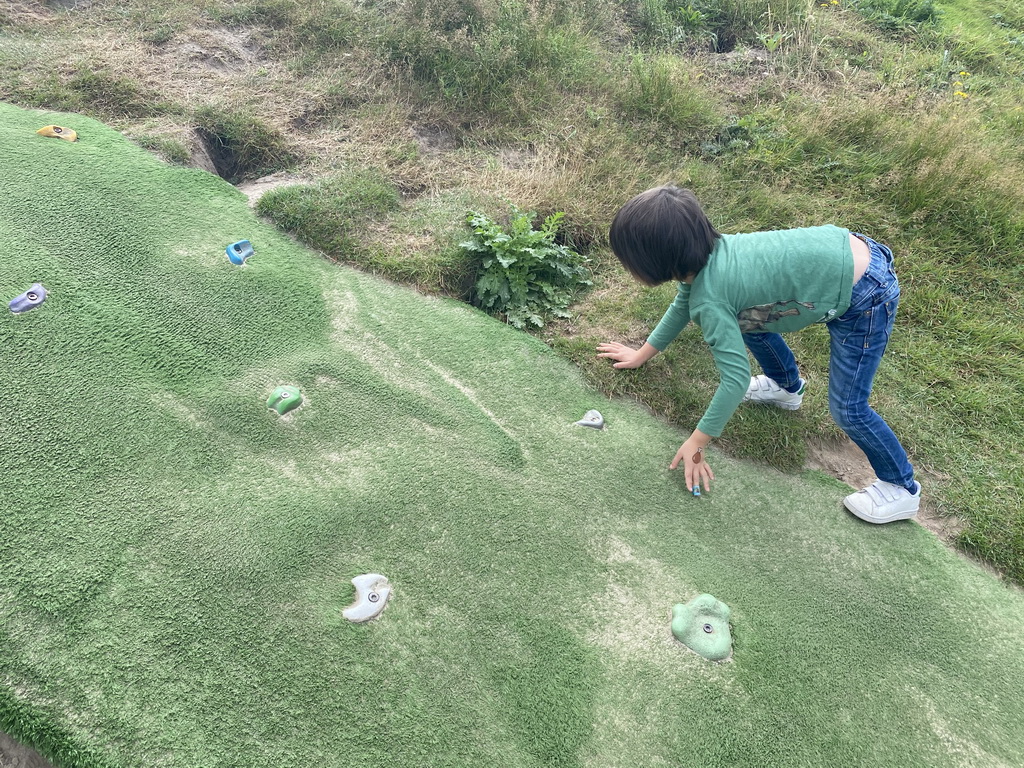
(626,357)
(696,468)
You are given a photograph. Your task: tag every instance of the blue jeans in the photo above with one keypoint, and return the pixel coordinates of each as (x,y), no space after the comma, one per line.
(859,338)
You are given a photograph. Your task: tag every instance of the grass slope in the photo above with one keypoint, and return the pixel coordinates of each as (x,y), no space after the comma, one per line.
(175,557)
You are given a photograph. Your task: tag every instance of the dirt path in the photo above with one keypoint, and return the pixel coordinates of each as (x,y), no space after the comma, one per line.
(13,755)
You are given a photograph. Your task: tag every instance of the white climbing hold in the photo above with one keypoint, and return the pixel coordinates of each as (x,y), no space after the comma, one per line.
(592,419)
(372,591)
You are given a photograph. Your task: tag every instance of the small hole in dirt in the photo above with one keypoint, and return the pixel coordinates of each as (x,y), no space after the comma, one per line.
(241,147)
(725,43)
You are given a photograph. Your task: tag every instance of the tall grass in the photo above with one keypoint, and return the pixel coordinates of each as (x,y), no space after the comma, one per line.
(719,25)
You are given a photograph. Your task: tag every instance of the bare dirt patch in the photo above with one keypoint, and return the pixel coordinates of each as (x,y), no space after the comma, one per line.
(14,755)
(223,50)
(845,461)
(433,140)
(841,459)
(256,188)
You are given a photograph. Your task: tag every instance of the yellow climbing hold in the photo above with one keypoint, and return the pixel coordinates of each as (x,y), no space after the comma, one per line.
(61,133)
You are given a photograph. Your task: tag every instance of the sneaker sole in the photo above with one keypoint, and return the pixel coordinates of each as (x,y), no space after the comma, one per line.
(881,520)
(776,404)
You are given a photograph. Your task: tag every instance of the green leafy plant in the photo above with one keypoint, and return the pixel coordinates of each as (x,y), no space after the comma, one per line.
(525,274)
(772,42)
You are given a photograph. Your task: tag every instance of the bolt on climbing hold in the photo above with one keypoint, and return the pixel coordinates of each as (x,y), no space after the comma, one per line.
(240,251)
(30,299)
(284,399)
(372,592)
(58,132)
(592,419)
(702,625)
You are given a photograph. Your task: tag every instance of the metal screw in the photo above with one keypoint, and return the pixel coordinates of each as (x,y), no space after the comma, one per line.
(708,628)
(31,296)
(373,597)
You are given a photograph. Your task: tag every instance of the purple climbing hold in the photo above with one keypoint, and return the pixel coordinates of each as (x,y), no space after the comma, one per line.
(30,299)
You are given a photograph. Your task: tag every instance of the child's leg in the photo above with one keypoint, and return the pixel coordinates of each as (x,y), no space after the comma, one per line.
(858,339)
(775,358)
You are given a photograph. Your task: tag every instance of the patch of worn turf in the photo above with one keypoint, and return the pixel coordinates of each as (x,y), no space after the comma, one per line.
(175,556)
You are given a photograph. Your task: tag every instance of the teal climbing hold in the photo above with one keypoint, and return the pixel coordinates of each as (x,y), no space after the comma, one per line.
(284,399)
(702,625)
(240,251)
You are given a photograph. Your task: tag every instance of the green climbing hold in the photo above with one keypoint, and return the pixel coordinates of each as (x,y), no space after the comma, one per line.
(284,399)
(702,625)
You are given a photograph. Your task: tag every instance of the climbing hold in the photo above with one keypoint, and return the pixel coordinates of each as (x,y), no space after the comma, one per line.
(592,419)
(702,625)
(284,399)
(240,251)
(372,591)
(696,490)
(58,133)
(30,299)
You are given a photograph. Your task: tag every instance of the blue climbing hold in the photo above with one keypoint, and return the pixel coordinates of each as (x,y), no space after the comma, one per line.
(30,299)
(240,251)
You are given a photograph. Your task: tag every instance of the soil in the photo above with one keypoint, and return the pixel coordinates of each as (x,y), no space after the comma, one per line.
(255,189)
(13,755)
(845,461)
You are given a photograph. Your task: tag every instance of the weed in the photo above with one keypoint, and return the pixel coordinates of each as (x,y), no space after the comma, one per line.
(772,42)
(525,275)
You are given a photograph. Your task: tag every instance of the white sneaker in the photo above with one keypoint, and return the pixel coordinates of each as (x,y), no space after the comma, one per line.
(765,390)
(883,502)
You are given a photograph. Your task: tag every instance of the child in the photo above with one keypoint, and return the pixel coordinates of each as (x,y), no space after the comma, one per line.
(743,290)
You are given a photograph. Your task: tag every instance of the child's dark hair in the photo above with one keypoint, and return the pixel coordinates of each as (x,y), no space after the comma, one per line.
(662,234)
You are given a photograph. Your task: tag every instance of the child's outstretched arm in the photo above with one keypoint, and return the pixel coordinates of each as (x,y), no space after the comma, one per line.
(626,357)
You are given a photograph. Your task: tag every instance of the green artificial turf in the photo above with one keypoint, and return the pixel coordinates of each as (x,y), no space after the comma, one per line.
(175,556)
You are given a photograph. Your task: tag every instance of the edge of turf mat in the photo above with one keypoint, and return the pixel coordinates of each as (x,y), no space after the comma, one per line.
(175,556)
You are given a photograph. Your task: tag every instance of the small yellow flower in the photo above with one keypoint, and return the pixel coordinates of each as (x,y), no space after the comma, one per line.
(961,94)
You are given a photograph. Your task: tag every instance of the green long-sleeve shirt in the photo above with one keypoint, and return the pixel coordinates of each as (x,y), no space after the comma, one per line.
(776,281)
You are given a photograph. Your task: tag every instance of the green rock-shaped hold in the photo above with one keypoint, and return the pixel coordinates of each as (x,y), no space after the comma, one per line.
(702,625)
(284,399)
